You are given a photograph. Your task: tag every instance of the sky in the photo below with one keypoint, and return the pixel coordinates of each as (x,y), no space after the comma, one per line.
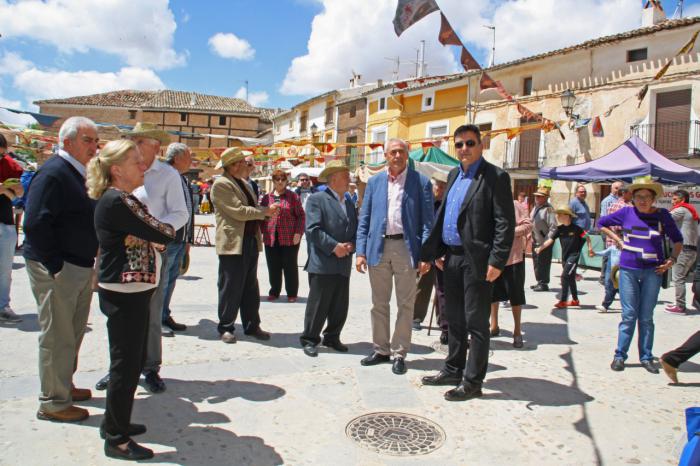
(287,50)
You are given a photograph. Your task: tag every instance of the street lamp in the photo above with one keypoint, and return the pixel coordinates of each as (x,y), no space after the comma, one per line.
(314,129)
(568,100)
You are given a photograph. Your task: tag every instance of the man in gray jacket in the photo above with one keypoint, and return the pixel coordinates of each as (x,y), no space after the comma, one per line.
(544,223)
(331,228)
(686,219)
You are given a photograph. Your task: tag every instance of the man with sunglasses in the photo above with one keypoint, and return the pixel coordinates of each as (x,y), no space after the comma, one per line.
(305,188)
(471,241)
(250,165)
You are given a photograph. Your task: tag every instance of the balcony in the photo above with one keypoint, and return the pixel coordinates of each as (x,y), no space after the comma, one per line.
(675,140)
(522,154)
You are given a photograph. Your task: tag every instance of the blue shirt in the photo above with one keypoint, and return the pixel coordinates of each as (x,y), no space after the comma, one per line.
(455,198)
(605,204)
(582,212)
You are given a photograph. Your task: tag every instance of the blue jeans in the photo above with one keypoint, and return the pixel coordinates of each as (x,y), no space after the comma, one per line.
(174,252)
(8,241)
(639,290)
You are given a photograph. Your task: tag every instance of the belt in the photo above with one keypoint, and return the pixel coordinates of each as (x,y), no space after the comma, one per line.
(399,236)
(689,247)
(456,250)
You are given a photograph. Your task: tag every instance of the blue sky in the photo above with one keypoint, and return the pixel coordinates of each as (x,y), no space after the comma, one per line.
(286,49)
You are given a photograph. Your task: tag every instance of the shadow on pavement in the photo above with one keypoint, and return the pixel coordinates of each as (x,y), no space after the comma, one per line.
(189,278)
(29,323)
(536,392)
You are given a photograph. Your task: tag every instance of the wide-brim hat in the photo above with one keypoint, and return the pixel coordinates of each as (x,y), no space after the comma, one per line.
(334,166)
(653,187)
(541,192)
(232,155)
(566,210)
(440,176)
(149,130)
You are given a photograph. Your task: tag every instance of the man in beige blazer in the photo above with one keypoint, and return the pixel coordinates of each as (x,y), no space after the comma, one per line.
(238,243)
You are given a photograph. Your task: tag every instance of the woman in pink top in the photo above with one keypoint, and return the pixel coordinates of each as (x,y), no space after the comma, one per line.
(510,286)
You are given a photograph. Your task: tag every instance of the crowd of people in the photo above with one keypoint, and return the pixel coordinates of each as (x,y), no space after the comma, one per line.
(129,214)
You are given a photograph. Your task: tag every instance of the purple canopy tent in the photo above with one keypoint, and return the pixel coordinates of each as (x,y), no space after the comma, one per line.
(631,159)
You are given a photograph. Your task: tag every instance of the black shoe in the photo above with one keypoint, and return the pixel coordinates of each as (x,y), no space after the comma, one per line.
(336,345)
(374,359)
(444,338)
(532,287)
(650,367)
(154,383)
(540,288)
(134,429)
(463,392)
(399,366)
(174,326)
(416,325)
(442,378)
(259,334)
(310,350)
(618,365)
(133,452)
(102,383)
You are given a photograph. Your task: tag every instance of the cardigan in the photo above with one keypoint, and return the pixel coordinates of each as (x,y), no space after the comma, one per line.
(125,231)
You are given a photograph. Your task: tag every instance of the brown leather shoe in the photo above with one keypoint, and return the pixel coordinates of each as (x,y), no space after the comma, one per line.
(70,414)
(80,394)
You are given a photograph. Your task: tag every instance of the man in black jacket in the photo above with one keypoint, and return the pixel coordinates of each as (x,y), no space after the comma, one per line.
(471,240)
(60,247)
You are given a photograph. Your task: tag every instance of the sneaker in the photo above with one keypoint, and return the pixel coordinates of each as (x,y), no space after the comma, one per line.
(601,309)
(573,302)
(8,315)
(154,383)
(675,310)
(561,304)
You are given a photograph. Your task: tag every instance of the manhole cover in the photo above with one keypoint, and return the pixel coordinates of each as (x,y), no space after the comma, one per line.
(396,434)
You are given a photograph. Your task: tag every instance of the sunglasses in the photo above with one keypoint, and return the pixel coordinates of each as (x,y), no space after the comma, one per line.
(303,179)
(469,143)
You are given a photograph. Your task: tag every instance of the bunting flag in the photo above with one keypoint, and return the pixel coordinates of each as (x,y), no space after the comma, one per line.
(685,49)
(41,118)
(486,82)
(655,4)
(597,128)
(447,35)
(408,12)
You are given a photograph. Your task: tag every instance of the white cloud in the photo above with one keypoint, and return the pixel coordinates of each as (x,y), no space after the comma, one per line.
(141,33)
(337,45)
(12,63)
(10,117)
(691,10)
(256,99)
(228,45)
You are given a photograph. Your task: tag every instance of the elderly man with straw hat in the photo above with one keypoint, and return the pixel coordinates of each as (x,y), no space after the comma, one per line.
(544,223)
(331,225)
(162,193)
(238,244)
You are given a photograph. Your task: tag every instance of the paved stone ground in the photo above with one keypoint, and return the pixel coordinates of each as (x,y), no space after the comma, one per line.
(553,402)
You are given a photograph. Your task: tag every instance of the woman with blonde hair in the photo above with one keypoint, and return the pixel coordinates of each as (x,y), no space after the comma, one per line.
(128,274)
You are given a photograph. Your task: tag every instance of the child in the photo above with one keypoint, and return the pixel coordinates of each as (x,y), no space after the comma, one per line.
(613,255)
(571,237)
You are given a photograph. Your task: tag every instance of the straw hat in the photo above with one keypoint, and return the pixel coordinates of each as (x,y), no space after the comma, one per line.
(334,166)
(232,155)
(565,210)
(149,130)
(651,186)
(440,176)
(541,192)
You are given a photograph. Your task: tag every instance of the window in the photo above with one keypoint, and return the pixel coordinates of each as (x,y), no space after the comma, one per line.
(351,151)
(183,117)
(303,121)
(438,132)
(636,55)
(379,137)
(222,121)
(132,114)
(382,104)
(527,86)
(353,111)
(485,138)
(329,115)
(290,125)
(428,101)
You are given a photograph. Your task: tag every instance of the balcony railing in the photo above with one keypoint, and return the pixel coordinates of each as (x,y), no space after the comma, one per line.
(675,140)
(522,154)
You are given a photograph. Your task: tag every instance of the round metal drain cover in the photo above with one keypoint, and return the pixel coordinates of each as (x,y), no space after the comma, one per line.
(396,434)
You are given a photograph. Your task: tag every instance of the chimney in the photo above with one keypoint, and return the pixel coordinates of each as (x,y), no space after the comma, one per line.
(193,99)
(653,14)
(380,82)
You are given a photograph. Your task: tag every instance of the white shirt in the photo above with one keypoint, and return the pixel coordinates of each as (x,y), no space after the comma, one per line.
(73,161)
(163,195)
(394,222)
(340,199)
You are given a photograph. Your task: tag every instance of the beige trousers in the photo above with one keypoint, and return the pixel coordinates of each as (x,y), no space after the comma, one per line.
(395,263)
(63,305)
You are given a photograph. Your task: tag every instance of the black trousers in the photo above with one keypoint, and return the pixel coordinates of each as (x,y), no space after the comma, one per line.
(468,310)
(238,288)
(127,329)
(568,278)
(283,259)
(328,299)
(687,350)
(441,306)
(542,263)
(423,293)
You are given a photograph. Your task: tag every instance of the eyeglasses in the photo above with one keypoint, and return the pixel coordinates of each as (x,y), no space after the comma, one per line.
(469,143)
(301,180)
(643,198)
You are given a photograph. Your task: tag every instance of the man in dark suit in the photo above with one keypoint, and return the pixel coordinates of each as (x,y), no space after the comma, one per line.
(331,225)
(471,241)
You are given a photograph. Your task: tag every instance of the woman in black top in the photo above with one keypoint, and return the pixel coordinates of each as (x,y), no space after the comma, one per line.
(128,275)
